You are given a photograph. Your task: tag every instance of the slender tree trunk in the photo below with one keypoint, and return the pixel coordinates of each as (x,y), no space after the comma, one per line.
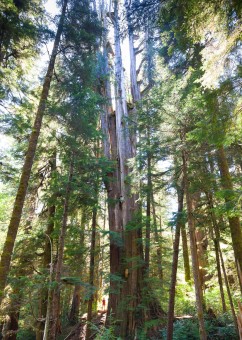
(157,239)
(43,301)
(185,253)
(234,221)
(26,171)
(216,248)
(228,289)
(148,214)
(180,193)
(195,265)
(55,322)
(91,274)
(76,298)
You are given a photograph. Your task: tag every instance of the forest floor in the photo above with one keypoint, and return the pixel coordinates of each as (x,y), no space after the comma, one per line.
(78,331)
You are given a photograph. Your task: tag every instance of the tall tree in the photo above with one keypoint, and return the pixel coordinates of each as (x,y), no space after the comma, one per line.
(33,140)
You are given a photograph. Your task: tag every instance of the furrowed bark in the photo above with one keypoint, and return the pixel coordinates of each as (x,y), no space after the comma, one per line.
(26,171)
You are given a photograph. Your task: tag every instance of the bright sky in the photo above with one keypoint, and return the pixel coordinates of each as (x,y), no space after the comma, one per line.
(51,7)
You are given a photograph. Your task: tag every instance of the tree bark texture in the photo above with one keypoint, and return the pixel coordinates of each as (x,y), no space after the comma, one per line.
(26,171)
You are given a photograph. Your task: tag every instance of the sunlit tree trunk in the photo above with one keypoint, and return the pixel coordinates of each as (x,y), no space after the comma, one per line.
(26,171)
(112,178)
(132,265)
(216,248)
(195,264)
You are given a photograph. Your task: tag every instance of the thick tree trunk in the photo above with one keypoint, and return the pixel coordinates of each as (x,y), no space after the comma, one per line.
(180,193)
(131,290)
(91,274)
(55,309)
(26,171)
(234,221)
(195,265)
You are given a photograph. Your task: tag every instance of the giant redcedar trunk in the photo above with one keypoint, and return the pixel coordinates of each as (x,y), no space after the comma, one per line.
(112,179)
(130,296)
(26,171)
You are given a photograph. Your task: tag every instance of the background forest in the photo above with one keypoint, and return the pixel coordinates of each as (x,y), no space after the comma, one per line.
(120,169)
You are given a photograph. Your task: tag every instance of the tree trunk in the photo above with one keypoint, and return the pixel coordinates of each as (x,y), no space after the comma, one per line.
(216,248)
(157,239)
(195,265)
(43,301)
(55,309)
(112,178)
(234,221)
(91,275)
(179,224)
(26,171)
(76,298)
(185,253)
(228,289)
(148,213)
(132,274)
